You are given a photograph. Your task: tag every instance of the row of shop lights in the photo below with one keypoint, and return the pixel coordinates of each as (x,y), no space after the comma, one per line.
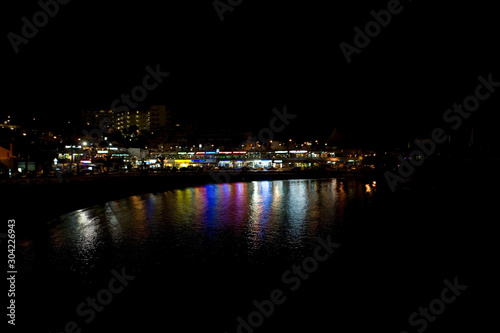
(241,152)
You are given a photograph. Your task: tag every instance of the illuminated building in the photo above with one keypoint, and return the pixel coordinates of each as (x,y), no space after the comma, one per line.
(155,118)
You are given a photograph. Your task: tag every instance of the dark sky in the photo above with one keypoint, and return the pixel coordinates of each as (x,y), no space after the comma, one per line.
(262,56)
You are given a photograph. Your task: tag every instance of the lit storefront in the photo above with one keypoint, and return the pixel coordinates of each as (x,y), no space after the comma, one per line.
(182,163)
(278,164)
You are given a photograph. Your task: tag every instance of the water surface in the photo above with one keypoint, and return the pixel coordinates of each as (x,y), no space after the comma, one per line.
(215,231)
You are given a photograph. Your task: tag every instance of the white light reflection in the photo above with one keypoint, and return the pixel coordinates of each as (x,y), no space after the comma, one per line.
(259,212)
(277,194)
(297,207)
(114,224)
(86,235)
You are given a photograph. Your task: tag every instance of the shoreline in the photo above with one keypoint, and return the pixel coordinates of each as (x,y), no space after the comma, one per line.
(36,204)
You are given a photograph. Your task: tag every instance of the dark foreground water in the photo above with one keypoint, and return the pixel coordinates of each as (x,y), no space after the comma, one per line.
(196,259)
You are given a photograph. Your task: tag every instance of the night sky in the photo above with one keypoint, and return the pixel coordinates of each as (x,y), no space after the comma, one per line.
(231,74)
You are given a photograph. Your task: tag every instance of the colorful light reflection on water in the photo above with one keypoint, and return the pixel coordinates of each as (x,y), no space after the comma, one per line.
(251,221)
